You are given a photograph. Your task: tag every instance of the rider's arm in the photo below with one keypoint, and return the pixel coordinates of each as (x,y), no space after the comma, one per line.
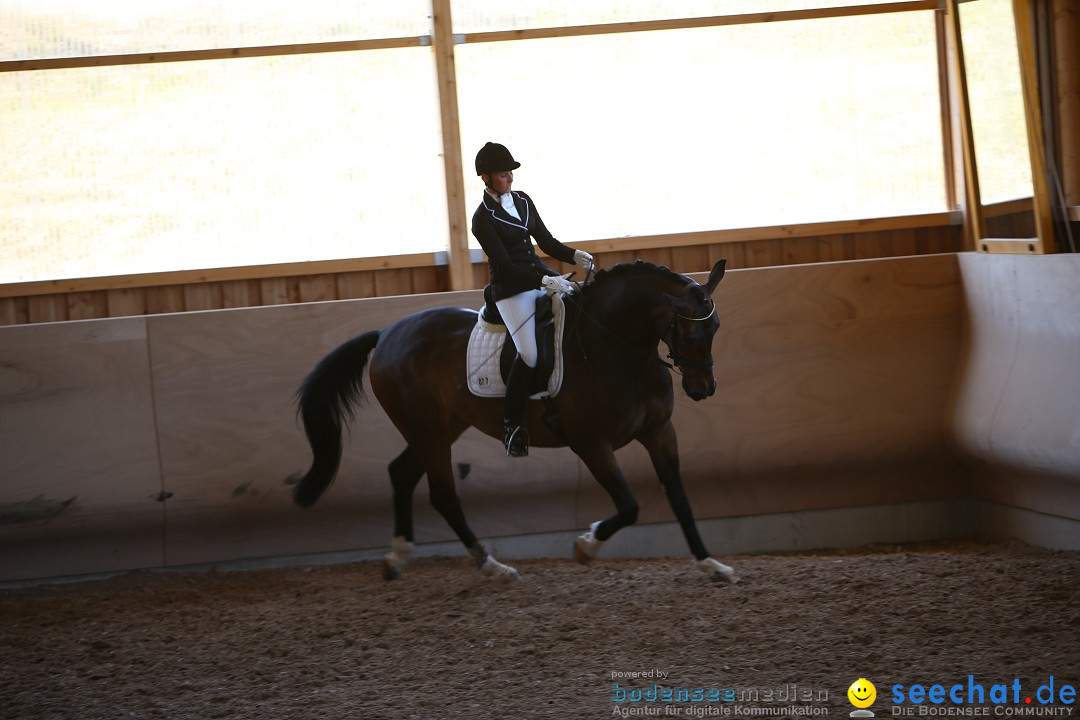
(544,238)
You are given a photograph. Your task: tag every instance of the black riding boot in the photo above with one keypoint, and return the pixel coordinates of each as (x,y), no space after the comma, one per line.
(515,434)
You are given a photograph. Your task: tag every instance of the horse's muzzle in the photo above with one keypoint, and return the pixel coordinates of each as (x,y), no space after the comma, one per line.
(698,390)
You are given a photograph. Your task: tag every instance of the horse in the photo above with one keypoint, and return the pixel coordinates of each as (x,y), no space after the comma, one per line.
(616,389)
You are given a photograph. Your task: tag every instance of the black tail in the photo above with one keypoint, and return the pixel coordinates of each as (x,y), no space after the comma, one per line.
(327,397)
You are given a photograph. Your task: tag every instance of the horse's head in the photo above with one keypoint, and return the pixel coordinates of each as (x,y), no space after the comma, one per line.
(688,329)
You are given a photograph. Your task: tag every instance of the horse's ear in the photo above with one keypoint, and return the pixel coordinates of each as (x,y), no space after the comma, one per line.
(716,275)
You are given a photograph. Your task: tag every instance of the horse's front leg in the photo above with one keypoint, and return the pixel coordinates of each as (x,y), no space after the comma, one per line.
(663,447)
(601,463)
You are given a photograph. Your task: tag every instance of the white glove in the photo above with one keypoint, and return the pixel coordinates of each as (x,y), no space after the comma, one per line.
(557,284)
(584,259)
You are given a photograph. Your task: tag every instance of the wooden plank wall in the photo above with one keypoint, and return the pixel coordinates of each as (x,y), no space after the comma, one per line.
(172,439)
(230,445)
(1015,412)
(832,381)
(80,481)
(386,282)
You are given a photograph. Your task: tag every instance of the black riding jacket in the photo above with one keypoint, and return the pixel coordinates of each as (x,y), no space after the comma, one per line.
(515,267)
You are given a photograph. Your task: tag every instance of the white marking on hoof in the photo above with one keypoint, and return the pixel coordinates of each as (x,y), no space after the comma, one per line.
(494,568)
(717,570)
(394,562)
(587,546)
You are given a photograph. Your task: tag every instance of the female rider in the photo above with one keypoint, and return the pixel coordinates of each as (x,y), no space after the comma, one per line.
(503,224)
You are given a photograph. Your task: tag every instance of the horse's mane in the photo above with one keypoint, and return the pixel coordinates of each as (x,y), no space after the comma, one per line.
(604,279)
(627,268)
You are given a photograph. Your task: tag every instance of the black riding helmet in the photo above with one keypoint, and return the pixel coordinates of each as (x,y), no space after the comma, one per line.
(494,158)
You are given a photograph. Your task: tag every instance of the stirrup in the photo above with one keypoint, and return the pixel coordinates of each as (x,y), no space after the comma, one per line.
(516,440)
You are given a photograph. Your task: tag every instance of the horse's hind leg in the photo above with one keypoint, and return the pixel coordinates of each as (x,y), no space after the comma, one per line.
(444,498)
(429,451)
(405,473)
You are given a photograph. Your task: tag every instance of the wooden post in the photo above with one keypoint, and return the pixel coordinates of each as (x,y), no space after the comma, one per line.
(461,275)
(1025,44)
(971,204)
(950,121)
(1067,60)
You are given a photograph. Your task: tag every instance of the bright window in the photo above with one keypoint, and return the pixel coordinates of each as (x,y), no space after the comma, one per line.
(997,102)
(34,29)
(485,16)
(701,129)
(145,168)
(211,163)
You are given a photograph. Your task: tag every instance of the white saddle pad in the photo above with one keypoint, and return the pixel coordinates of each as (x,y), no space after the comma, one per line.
(485,347)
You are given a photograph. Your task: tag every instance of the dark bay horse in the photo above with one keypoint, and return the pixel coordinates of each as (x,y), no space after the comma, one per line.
(615,389)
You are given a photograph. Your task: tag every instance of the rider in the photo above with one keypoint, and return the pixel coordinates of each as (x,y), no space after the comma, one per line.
(503,224)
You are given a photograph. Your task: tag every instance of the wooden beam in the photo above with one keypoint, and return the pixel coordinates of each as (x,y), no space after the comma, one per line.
(1067,67)
(952,154)
(190,277)
(214,54)
(699,22)
(1008,207)
(1009,246)
(1029,76)
(758,234)
(971,204)
(461,277)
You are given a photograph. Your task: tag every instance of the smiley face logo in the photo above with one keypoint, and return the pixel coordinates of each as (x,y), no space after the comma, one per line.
(862,693)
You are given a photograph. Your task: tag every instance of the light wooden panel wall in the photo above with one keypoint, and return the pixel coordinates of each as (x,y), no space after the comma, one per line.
(1015,413)
(832,386)
(391,281)
(79,477)
(224,385)
(832,381)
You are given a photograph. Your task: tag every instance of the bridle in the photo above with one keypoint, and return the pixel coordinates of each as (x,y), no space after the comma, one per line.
(671,338)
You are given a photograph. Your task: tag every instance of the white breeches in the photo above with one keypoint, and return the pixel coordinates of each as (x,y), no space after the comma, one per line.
(519,314)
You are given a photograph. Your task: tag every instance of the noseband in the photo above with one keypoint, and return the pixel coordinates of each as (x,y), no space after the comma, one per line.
(671,337)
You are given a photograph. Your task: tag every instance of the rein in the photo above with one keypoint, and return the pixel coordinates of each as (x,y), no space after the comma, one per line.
(582,312)
(670,338)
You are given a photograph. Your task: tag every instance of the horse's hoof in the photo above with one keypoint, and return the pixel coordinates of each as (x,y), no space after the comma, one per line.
(494,568)
(717,570)
(389,570)
(586,547)
(394,562)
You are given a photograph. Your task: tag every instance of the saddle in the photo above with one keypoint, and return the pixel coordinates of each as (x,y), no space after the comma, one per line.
(490,356)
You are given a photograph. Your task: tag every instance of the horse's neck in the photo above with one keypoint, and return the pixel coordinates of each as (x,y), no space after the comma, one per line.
(629,310)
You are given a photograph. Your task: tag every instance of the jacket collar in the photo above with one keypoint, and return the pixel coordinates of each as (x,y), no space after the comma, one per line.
(494,206)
